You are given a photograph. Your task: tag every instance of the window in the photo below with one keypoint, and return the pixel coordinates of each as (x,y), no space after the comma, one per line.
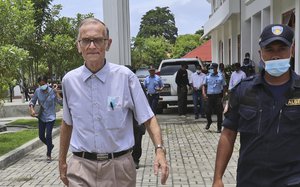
(170,68)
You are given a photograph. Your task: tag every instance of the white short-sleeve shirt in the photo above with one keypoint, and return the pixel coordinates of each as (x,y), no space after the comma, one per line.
(100,108)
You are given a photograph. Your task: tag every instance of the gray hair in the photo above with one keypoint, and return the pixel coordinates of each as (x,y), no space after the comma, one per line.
(91,21)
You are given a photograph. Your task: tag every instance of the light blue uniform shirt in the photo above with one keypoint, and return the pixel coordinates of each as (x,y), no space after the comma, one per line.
(152,82)
(214,83)
(100,108)
(49,112)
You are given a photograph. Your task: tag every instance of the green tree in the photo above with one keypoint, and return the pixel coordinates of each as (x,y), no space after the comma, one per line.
(150,51)
(35,28)
(158,22)
(201,32)
(12,59)
(17,32)
(59,43)
(16,20)
(184,44)
(41,14)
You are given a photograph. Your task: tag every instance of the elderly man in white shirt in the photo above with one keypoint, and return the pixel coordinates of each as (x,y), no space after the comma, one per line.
(100,99)
(236,76)
(197,81)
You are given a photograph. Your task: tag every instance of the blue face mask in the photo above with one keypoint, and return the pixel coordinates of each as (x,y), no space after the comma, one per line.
(277,67)
(211,71)
(44,87)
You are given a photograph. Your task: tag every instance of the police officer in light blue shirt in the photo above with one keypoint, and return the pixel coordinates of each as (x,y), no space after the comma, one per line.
(153,85)
(213,92)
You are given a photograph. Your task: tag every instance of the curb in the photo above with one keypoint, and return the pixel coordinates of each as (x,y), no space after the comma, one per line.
(18,153)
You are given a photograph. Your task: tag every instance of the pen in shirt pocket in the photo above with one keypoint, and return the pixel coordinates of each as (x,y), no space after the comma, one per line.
(112,105)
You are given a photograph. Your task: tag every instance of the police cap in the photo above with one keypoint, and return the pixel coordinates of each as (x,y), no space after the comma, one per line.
(276,32)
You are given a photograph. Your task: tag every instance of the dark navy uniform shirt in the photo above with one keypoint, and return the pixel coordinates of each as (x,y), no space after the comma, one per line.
(269,132)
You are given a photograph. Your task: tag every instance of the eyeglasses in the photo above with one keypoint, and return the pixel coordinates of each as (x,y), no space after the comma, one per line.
(98,42)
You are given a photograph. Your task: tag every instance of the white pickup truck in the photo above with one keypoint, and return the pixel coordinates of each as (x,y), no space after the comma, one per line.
(167,70)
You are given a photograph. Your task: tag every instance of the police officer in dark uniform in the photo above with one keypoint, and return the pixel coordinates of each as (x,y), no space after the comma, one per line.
(248,65)
(182,81)
(265,110)
(212,91)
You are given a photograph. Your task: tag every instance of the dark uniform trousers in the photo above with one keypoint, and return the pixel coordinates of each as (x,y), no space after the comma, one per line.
(153,101)
(182,99)
(214,104)
(139,131)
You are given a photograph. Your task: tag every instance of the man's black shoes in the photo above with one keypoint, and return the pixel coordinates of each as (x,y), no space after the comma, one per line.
(208,125)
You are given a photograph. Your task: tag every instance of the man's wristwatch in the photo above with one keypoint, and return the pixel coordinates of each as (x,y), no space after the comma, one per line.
(159,146)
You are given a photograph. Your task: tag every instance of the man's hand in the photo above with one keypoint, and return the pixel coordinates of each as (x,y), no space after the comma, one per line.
(160,163)
(32,111)
(55,86)
(63,173)
(218,183)
(33,114)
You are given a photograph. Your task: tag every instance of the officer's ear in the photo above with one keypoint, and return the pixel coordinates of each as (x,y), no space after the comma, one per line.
(293,50)
(260,55)
(108,44)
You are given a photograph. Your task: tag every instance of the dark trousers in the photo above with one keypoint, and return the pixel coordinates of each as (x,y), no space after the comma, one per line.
(197,101)
(182,99)
(47,140)
(139,131)
(153,101)
(214,104)
(27,97)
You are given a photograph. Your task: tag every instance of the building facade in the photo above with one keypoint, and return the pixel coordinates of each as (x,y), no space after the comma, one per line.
(235,26)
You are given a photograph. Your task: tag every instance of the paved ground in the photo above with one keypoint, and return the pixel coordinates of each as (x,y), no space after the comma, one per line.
(191,155)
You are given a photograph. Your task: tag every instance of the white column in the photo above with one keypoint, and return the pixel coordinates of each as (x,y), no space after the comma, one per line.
(215,46)
(255,33)
(116,17)
(265,18)
(245,38)
(234,33)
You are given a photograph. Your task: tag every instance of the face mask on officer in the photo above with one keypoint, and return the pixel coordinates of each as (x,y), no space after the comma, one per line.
(277,67)
(283,36)
(211,70)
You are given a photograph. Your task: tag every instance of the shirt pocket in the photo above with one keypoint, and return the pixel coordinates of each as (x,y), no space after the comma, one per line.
(249,121)
(114,118)
(290,123)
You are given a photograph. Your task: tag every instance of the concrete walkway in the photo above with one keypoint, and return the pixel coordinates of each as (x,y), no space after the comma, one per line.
(191,155)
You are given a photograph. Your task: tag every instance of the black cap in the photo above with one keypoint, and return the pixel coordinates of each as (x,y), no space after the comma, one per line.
(276,32)
(213,65)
